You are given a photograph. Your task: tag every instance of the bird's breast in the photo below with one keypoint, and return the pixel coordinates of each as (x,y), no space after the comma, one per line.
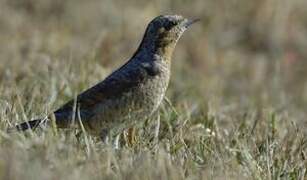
(137,103)
(145,98)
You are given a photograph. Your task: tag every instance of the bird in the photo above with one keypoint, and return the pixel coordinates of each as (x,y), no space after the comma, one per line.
(130,94)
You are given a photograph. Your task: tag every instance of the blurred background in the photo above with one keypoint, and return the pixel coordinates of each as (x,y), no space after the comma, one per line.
(238,88)
(242,55)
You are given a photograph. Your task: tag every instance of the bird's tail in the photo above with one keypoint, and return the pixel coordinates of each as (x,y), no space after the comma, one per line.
(26,125)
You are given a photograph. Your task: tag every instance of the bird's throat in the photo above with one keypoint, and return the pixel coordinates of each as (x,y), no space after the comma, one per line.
(161,47)
(166,51)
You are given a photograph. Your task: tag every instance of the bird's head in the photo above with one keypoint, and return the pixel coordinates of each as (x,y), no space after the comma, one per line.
(163,32)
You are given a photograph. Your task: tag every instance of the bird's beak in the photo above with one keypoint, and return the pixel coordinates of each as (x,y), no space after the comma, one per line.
(188,22)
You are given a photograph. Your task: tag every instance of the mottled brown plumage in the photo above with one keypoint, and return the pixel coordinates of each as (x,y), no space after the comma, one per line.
(133,92)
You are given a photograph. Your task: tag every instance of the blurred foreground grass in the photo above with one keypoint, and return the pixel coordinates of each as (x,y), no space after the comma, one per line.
(238,86)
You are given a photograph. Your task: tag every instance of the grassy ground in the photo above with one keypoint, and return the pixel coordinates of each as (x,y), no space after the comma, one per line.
(238,89)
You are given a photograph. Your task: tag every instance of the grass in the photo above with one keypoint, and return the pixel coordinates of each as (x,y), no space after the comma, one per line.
(237,97)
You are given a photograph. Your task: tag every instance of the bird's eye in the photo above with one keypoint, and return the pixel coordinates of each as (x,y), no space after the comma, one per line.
(173,23)
(170,25)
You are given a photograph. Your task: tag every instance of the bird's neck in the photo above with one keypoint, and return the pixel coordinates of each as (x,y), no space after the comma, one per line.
(161,48)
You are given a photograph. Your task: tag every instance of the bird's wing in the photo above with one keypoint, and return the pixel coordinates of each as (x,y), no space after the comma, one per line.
(119,82)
